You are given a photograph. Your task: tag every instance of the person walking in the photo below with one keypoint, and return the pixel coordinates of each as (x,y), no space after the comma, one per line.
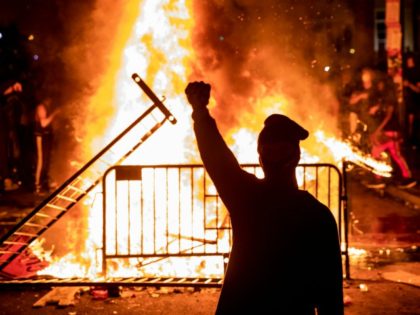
(285,257)
(385,132)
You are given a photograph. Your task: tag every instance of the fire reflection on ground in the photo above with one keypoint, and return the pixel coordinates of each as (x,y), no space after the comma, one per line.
(379,257)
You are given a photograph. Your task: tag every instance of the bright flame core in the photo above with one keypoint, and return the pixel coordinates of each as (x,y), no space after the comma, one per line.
(160,50)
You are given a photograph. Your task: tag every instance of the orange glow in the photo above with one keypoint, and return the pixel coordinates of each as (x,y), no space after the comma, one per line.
(154,41)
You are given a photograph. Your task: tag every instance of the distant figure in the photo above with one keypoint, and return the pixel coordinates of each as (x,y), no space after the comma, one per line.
(412,99)
(359,102)
(385,132)
(43,139)
(10,149)
(344,90)
(285,256)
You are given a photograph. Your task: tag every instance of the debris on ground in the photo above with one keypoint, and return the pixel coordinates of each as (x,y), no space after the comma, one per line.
(60,296)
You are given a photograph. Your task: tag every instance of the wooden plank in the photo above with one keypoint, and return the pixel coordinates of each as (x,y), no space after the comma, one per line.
(62,296)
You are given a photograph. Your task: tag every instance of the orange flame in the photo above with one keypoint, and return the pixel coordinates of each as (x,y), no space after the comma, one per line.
(158,47)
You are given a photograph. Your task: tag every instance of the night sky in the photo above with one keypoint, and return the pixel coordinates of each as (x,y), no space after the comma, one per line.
(57,29)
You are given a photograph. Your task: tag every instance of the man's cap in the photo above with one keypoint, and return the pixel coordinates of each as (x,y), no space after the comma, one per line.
(278,128)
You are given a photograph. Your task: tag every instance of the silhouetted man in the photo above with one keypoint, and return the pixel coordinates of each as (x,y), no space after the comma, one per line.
(285,257)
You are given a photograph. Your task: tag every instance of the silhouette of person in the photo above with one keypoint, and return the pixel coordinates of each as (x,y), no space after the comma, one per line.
(285,257)
(411,93)
(43,140)
(10,149)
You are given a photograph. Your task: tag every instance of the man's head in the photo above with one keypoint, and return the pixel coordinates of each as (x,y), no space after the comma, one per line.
(278,143)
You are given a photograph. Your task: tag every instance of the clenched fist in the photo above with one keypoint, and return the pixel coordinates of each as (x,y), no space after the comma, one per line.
(198,93)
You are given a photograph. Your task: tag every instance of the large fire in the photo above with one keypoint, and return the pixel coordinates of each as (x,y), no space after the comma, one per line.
(160,49)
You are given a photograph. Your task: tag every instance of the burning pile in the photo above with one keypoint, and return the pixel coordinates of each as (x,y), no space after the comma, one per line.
(256,63)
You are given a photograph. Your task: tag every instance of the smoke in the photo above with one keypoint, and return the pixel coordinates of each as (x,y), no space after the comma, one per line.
(84,95)
(259,56)
(86,54)
(251,50)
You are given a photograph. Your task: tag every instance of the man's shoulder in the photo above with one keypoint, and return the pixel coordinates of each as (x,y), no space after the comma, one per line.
(318,215)
(311,201)
(307,196)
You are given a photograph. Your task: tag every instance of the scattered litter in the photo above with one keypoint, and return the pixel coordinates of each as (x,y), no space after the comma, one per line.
(363,287)
(102,293)
(128,294)
(347,300)
(99,293)
(114,291)
(165,290)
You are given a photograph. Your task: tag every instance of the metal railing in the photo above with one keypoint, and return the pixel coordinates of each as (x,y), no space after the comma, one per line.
(156,213)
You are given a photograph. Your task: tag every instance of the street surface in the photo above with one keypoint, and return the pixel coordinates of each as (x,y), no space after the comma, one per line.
(384,249)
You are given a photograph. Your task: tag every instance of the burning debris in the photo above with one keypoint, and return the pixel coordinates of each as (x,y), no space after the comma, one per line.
(204,40)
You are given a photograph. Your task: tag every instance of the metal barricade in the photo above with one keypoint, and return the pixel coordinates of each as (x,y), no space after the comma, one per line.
(172,214)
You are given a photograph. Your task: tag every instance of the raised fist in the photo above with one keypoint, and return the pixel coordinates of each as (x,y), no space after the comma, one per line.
(198,93)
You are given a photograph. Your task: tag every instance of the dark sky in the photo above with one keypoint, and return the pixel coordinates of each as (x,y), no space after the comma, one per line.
(71,41)
(45,21)
(240,43)
(42,17)
(61,52)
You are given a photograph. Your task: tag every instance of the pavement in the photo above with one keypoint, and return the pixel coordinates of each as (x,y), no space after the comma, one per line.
(384,241)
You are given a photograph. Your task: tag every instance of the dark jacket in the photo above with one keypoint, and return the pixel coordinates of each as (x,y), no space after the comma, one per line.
(285,257)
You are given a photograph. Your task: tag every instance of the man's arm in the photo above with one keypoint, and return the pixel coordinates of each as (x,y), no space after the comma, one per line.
(218,159)
(356,97)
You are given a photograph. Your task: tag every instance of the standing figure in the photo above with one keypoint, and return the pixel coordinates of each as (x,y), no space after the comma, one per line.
(10,149)
(344,91)
(43,140)
(285,256)
(411,90)
(360,100)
